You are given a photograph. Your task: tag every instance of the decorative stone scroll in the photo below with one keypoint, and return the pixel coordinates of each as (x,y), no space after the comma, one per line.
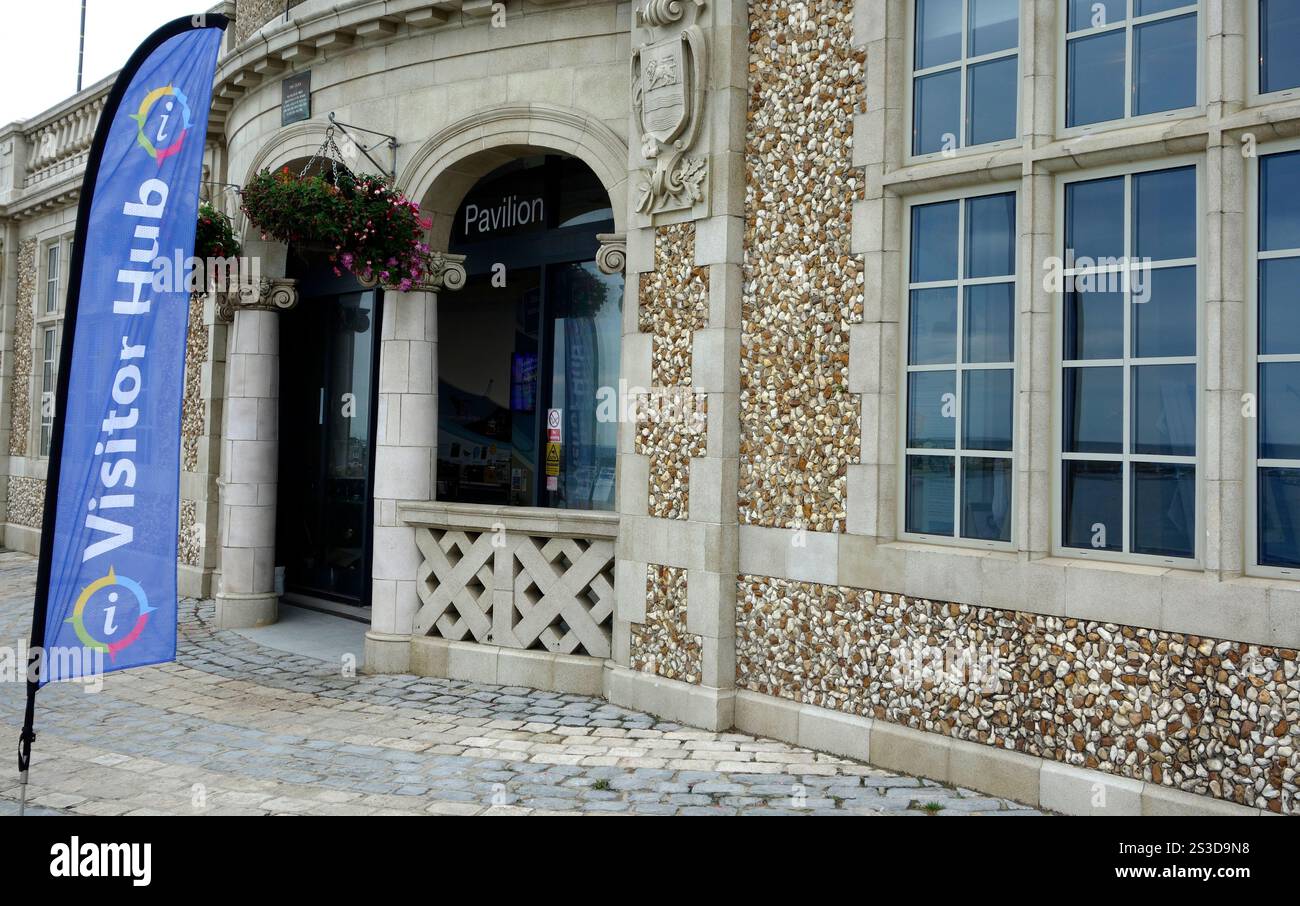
(270,294)
(446,271)
(611,257)
(668,86)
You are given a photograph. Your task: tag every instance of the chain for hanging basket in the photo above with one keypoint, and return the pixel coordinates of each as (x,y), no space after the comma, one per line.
(329,151)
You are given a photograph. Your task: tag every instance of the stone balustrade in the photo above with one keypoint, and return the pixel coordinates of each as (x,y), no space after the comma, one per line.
(515,577)
(61,143)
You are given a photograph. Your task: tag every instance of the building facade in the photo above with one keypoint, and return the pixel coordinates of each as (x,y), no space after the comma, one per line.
(909,379)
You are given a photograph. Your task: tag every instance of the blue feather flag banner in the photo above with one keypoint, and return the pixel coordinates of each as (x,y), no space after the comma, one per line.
(108,558)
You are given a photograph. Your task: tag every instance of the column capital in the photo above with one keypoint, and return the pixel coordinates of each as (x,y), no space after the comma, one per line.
(268,294)
(446,271)
(611,257)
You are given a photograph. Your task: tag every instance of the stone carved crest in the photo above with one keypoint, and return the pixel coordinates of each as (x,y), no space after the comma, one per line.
(668,83)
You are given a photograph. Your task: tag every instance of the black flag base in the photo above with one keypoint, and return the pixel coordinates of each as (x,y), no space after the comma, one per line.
(25,740)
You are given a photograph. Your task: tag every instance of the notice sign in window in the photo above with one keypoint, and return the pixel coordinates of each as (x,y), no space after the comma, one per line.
(554,438)
(295,98)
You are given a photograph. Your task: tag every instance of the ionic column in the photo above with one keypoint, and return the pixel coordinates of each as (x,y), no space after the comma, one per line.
(250,449)
(406,455)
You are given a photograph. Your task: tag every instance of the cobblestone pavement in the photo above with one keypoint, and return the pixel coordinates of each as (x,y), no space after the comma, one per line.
(237,728)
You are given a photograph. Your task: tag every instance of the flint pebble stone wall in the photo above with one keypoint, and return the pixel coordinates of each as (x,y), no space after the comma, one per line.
(1121,685)
(250,15)
(201,414)
(674,305)
(1202,715)
(192,402)
(662,645)
(800,426)
(26,504)
(20,414)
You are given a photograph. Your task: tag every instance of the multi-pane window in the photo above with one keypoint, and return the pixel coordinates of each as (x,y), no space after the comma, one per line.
(1277,346)
(49,373)
(1129,366)
(52,279)
(48,317)
(960,369)
(965,73)
(1129,58)
(1278,28)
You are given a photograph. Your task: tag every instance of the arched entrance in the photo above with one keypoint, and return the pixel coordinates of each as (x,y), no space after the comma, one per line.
(530,341)
(512,548)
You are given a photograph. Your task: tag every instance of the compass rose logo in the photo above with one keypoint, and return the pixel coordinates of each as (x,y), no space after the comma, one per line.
(162,122)
(106,618)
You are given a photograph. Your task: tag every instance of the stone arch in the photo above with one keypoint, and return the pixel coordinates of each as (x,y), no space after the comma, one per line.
(290,145)
(445,167)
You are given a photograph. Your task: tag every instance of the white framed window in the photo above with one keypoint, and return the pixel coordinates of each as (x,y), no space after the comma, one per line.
(964,61)
(53,277)
(1273,508)
(49,375)
(1128,340)
(958,413)
(1274,38)
(49,320)
(1129,60)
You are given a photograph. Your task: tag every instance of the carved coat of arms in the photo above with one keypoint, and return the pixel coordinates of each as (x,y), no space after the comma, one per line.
(667,100)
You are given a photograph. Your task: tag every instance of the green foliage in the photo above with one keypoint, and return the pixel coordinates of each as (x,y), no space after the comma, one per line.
(370,228)
(214,237)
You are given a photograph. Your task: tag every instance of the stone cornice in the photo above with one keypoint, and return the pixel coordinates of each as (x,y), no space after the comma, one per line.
(319,25)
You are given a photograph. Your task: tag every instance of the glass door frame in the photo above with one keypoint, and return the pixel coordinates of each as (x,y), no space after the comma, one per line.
(317,283)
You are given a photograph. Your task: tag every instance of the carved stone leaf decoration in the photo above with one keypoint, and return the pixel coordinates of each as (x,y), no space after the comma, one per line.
(690,176)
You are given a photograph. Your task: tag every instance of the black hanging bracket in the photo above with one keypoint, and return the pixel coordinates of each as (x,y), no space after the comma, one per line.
(383,139)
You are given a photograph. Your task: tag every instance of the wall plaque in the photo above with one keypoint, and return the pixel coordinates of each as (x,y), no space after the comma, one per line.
(295,98)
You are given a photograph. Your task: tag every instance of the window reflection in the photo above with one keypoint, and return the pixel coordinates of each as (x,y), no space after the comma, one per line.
(961,379)
(1129,396)
(528,407)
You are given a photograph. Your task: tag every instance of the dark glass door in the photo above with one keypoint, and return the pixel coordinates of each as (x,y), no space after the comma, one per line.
(328,378)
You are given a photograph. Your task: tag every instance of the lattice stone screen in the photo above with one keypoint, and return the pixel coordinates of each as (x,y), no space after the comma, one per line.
(518,586)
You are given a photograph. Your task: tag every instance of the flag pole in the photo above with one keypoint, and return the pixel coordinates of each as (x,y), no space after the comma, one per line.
(81,47)
(36,661)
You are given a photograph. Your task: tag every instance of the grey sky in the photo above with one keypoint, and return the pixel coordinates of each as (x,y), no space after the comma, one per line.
(38,45)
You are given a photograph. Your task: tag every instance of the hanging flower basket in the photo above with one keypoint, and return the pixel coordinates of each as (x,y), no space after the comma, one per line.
(214,237)
(365,225)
